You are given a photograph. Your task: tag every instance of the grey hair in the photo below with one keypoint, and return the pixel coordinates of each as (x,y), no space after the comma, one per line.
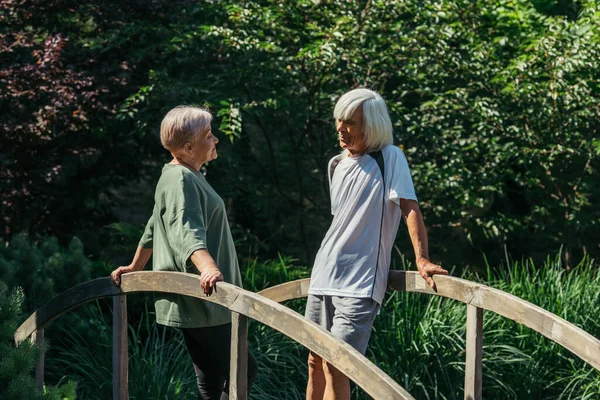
(377,125)
(182,124)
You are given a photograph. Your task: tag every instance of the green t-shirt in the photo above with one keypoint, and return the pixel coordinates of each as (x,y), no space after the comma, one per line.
(189,215)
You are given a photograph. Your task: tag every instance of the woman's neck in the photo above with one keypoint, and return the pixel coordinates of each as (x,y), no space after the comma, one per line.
(179,161)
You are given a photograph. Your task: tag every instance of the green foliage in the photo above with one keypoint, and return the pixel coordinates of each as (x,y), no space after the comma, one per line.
(428,338)
(261,275)
(17,364)
(43,270)
(419,340)
(63,147)
(159,365)
(555,373)
(494,103)
(281,363)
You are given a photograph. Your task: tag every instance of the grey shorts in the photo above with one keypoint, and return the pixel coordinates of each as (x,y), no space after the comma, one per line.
(348,318)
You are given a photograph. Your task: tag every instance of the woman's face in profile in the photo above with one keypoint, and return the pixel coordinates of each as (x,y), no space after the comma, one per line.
(205,147)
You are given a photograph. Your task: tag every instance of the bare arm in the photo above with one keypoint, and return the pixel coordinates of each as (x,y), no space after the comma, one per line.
(140,259)
(418,236)
(209,272)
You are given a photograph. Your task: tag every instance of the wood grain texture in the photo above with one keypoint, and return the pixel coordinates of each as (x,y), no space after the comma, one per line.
(120,352)
(38,338)
(238,374)
(68,300)
(474,353)
(340,354)
(370,378)
(337,352)
(287,291)
(555,328)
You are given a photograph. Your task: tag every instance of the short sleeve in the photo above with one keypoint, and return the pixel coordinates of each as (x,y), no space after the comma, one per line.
(400,181)
(146,241)
(184,220)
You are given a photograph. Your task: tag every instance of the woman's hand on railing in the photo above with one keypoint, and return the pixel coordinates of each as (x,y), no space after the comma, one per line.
(115,276)
(209,272)
(208,278)
(140,259)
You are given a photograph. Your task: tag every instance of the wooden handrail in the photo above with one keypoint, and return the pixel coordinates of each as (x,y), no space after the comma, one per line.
(340,354)
(264,307)
(555,328)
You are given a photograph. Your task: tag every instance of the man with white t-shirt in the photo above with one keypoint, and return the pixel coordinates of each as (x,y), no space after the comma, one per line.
(371,189)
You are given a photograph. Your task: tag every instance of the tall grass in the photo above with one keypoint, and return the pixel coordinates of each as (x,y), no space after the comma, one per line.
(159,365)
(419,340)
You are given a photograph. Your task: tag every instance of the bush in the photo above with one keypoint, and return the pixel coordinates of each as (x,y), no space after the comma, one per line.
(17,364)
(43,269)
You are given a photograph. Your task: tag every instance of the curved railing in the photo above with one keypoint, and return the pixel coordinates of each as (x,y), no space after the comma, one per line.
(264,308)
(477,297)
(241,302)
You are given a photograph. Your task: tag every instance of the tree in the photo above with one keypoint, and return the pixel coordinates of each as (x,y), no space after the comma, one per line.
(494,104)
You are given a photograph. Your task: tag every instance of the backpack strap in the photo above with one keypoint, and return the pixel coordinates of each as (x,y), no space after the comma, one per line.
(334,163)
(378,156)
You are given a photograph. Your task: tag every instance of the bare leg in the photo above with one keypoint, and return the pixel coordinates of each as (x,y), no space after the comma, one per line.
(316,378)
(337,384)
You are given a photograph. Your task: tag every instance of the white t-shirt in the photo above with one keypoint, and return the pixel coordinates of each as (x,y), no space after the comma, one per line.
(346,262)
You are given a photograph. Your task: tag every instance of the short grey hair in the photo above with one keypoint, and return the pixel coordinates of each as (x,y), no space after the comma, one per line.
(377,125)
(182,124)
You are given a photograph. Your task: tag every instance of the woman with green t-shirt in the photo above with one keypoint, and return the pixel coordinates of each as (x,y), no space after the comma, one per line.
(189,232)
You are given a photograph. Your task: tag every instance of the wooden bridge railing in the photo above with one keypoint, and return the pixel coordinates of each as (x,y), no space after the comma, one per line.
(242,303)
(477,297)
(264,308)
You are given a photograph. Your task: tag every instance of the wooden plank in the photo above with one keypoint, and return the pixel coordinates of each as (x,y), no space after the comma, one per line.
(474,353)
(287,291)
(340,354)
(343,356)
(120,349)
(555,328)
(64,302)
(38,339)
(177,282)
(238,376)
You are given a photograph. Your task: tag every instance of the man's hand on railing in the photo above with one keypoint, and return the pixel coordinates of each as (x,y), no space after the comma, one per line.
(427,269)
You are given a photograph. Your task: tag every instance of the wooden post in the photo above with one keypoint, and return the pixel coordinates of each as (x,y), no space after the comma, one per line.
(238,369)
(473,368)
(38,338)
(120,351)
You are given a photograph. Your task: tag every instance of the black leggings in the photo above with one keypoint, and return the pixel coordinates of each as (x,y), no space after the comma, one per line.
(210,348)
